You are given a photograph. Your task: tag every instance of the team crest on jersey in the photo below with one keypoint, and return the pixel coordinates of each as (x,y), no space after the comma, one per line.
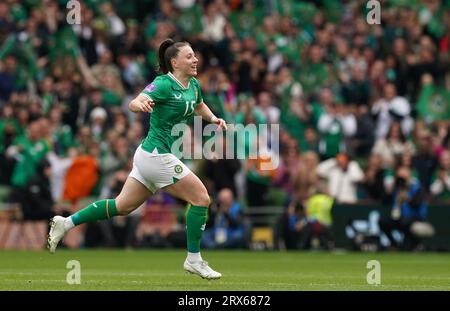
(150,88)
(178,169)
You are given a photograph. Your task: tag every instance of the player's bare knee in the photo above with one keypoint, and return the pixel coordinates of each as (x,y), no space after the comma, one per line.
(202,200)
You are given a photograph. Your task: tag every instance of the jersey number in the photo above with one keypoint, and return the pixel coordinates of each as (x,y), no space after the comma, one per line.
(189,106)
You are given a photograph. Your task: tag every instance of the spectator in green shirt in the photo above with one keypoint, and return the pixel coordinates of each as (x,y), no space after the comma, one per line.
(27,150)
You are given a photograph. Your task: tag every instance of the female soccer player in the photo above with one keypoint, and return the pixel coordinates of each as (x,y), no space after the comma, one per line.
(172,98)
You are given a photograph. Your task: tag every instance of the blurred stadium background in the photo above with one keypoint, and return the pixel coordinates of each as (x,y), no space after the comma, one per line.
(364,111)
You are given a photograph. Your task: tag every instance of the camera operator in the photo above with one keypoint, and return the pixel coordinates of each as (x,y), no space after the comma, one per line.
(409,207)
(227,227)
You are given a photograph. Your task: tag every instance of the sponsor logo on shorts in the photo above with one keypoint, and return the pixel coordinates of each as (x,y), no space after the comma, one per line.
(178,169)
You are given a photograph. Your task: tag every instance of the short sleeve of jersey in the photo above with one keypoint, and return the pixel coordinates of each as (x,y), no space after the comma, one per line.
(199,91)
(157,90)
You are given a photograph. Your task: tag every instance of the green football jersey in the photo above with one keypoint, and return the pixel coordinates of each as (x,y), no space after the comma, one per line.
(174,104)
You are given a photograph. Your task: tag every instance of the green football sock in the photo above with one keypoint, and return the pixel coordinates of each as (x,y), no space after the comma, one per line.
(195,225)
(103,209)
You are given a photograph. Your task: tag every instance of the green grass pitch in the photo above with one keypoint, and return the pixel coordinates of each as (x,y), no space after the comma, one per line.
(157,270)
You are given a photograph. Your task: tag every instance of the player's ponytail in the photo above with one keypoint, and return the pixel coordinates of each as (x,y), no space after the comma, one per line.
(168,50)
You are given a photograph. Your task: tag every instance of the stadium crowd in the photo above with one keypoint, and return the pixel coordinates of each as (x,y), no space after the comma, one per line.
(362,107)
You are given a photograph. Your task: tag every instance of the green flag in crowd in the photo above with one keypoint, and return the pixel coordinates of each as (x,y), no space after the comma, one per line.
(433,103)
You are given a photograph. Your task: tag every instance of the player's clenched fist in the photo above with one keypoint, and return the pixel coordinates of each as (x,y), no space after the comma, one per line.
(146,105)
(142,104)
(220,122)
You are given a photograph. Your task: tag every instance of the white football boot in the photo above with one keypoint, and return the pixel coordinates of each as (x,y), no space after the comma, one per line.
(56,234)
(202,269)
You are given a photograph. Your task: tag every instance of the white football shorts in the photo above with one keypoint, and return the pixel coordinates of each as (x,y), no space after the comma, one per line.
(156,170)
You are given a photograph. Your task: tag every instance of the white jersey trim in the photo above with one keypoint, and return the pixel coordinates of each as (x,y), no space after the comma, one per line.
(178,81)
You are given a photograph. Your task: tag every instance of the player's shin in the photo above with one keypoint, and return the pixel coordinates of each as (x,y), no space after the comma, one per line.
(99,210)
(195,225)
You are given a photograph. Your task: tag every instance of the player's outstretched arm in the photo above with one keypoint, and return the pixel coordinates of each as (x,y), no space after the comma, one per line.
(206,113)
(141,103)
